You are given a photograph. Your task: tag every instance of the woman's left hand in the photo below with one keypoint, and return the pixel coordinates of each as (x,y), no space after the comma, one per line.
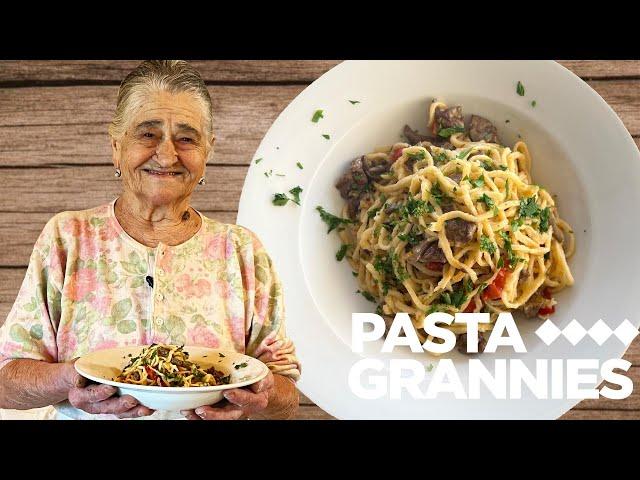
(242,402)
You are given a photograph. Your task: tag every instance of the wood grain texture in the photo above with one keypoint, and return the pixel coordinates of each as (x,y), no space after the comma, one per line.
(603,68)
(266,71)
(576,414)
(237,71)
(312,412)
(68,125)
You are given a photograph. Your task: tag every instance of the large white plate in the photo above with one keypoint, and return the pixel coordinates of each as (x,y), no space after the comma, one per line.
(581,151)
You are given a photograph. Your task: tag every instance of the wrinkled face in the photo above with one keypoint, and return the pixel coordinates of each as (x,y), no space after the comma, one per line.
(163,153)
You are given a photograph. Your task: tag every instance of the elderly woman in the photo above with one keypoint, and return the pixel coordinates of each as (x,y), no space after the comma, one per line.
(148,268)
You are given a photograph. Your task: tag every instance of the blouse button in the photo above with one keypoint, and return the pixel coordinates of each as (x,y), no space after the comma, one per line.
(158,321)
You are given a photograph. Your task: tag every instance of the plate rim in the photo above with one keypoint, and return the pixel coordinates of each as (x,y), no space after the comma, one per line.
(171,390)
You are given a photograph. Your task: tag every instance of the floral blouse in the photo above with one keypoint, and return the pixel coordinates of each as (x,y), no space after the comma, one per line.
(91,286)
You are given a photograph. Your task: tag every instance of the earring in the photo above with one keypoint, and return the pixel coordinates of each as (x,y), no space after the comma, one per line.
(202,181)
(118,173)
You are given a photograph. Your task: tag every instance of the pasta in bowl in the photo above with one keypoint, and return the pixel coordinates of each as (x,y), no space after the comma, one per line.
(171,377)
(453,222)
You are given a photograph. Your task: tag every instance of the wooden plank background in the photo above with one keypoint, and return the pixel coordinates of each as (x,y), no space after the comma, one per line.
(55,153)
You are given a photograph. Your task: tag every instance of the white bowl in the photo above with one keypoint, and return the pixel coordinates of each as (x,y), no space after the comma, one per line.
(103,366)
(581,151)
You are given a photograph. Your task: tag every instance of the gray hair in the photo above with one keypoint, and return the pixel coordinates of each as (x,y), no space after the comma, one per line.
(174,76)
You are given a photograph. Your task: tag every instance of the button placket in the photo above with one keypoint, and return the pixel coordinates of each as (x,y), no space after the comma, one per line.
(152,311)
(158,296)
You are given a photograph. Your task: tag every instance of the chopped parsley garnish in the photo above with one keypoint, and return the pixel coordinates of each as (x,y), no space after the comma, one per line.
(342,252)
(390,265)
(431,309)
(439,158)
(516,223)
(455,298)
(544,219)
(464,153)
(383,265)
(390,225)
(368,296)
(488,166)
(296,195)
(419,155)
(373,212)
(534,103)
(318,114)
(500,263)
(507,188)
(299,165)
(410,237)
(487,200)
(529,208)
(487,245)
(268,173)
(415,208)
(280,199)
(353,102)
(447,132)
(258,160)
(221,354)
(513,259)
(240,365)
(478,182)
(520,89)
(438,194)
(326,136)
(331,220)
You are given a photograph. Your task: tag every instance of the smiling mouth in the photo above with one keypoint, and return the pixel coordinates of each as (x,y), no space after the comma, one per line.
(162,174)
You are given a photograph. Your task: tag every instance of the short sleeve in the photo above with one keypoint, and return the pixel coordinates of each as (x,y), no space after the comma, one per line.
(267,340)
(30,329)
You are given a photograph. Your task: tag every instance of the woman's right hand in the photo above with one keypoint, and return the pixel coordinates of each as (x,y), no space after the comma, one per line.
(99,399)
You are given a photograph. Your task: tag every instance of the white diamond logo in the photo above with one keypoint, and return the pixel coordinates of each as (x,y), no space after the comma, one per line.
(626,332)
(548,332)
(600,332)
(574,332)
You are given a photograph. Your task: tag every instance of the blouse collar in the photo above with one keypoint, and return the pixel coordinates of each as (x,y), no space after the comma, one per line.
(138,245)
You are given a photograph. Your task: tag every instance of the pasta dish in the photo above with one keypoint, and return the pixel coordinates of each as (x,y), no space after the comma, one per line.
(452,222)
(169,366)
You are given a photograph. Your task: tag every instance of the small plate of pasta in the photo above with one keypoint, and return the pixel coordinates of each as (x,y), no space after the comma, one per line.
(171,377)
(417,187)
